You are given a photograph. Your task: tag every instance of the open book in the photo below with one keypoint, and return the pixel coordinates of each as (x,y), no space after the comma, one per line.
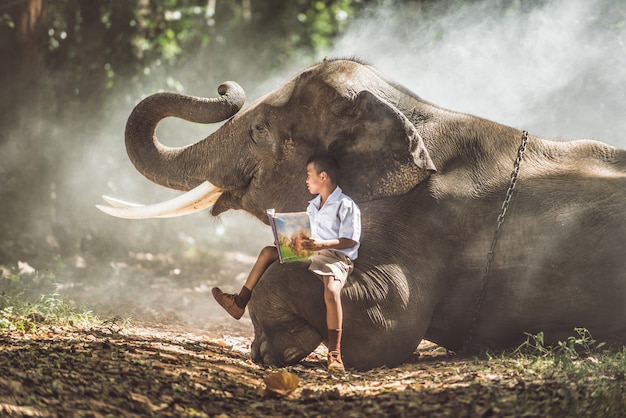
(287,227)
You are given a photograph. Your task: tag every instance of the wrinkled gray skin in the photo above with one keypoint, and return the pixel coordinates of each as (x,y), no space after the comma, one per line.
(430,183)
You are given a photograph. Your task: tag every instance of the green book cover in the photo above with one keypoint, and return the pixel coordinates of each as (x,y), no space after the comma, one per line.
(287,227)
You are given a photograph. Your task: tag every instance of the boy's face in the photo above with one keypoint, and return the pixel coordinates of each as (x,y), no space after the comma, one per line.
(314,181)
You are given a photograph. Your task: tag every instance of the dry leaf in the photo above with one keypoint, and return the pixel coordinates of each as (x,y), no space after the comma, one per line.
(224,344)
(25,268)
(280,383)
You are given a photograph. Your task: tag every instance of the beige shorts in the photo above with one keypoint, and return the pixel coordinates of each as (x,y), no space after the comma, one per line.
(331,263)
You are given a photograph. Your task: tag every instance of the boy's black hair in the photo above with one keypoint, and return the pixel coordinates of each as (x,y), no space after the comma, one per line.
(325,163)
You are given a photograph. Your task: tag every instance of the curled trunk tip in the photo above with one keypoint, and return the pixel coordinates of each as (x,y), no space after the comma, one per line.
(234,95)
(163,164)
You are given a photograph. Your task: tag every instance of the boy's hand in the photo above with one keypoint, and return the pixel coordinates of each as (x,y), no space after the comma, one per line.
(311,244)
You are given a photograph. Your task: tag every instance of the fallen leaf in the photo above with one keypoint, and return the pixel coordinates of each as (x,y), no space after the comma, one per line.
(280,383)
(25,268)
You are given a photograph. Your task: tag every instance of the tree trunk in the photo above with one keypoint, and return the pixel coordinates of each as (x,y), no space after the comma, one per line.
(23,73)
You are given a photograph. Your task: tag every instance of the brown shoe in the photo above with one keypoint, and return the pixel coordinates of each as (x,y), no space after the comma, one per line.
(227,301)
(334,361)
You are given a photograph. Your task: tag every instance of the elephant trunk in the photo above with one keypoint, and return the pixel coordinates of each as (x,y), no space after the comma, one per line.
(175,167)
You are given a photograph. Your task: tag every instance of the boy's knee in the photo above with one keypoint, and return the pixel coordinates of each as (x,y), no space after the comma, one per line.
(333,287)
(269,252)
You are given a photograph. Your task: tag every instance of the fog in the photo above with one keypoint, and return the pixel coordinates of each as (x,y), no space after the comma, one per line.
(557,70)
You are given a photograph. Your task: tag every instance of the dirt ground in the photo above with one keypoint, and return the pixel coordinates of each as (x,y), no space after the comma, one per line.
(166,350)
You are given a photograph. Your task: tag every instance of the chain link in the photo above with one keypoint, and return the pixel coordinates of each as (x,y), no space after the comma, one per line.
(494,241)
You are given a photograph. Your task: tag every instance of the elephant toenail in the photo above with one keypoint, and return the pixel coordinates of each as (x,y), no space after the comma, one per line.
(264,347)
(292,354)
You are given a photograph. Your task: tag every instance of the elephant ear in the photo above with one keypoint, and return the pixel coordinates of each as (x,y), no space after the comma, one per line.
(381,155)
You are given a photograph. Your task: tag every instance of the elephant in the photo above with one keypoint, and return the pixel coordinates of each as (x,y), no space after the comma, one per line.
(474,233)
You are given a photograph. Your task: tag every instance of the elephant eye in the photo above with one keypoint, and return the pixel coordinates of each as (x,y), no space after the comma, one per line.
(257,132)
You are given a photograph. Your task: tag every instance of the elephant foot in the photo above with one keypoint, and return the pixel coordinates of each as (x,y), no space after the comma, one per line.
(283,347)
(288,314)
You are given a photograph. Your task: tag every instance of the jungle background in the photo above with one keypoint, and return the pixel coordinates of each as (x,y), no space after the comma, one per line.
(72,70)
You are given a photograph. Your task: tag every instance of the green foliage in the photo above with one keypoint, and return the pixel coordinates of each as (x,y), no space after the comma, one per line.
(142,39)
(576,347)
(323,20)
(23,310)
(5,19)
(583,344)
(589,367)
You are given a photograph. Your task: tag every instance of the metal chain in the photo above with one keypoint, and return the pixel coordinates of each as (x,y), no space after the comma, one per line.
(494,241)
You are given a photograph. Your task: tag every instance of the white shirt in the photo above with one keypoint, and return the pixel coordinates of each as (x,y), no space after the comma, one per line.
(340,217)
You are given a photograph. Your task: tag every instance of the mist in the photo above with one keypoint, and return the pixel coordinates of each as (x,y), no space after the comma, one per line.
(556,69)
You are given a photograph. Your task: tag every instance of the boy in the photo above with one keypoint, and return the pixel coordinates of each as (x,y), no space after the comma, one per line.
(336,230)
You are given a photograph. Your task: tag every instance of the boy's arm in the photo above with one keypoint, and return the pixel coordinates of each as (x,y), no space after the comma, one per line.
(315,244)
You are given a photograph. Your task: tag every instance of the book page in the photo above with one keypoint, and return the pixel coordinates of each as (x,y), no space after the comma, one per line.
(287,227)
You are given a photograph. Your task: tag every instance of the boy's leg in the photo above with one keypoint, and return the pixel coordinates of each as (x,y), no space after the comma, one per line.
(267,256)
(334,320)
(235,304)
(332,298)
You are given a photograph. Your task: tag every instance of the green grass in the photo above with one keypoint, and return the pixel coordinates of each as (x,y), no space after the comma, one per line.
(29,302)
(586,365)
(577,350)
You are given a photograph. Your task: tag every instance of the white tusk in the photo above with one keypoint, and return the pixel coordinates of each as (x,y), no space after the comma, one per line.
(117,203)
(203,196)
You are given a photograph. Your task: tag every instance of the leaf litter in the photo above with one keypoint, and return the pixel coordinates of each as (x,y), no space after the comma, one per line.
(149,367)
(146,370)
